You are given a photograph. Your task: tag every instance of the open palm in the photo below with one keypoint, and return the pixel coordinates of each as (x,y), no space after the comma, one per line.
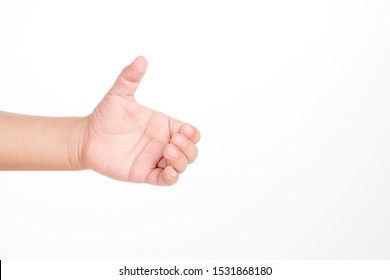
(130,142)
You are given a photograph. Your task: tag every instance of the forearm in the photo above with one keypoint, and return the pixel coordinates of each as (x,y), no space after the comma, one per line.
(40,143)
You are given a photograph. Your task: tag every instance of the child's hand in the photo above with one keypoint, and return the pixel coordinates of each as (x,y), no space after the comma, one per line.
(127,141)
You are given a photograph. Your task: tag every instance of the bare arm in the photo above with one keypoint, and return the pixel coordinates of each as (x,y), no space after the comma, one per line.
(39,143)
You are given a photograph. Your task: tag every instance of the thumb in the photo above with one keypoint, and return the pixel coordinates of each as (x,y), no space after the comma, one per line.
(130,77)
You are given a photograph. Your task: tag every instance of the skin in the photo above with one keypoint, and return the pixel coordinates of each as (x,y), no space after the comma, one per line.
(121,138)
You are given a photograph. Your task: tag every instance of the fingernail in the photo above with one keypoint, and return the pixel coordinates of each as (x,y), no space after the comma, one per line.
(172,173)
(173,153)
(187,130)
(179,141)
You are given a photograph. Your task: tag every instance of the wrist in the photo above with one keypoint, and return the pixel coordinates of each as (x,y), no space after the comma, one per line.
(75,143)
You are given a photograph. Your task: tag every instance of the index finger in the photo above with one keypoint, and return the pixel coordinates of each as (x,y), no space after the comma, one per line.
(191,132)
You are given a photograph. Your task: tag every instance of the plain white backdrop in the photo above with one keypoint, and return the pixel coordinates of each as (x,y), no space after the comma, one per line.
(292,99)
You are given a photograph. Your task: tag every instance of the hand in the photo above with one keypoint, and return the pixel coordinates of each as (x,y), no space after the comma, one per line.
(130,142)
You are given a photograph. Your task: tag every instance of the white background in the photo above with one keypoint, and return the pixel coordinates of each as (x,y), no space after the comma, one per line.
(292,99)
